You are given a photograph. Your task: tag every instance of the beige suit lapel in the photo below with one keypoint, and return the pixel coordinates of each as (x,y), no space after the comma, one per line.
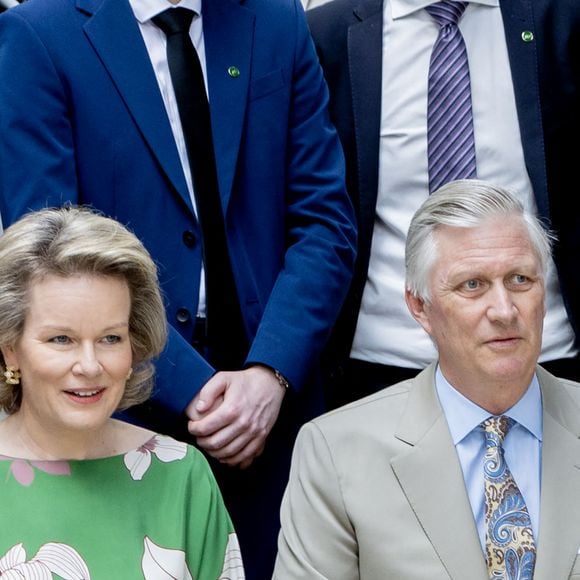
(431,478)
(559,533)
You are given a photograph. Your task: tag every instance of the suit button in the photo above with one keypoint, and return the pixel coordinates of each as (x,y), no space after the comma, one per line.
(183,315)
(189,239)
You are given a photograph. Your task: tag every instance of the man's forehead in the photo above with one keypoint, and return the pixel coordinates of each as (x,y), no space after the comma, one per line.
(504,231)
(504,242)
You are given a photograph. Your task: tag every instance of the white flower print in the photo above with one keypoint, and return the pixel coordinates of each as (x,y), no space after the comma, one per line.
(233,566)
(164,448)
(163,564)
(52,558)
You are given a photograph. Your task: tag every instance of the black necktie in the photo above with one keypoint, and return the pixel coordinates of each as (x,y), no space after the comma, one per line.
(226,338)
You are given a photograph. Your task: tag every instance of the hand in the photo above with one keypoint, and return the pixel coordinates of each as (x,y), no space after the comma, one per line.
(234,412)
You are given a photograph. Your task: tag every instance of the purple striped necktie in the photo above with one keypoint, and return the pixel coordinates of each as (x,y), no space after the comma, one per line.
(450,140)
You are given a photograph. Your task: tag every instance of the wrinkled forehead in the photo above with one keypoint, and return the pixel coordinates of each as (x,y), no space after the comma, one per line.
(499,242)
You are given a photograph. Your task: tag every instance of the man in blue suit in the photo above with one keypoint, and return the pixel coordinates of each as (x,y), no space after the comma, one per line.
(88,116)
(524,66)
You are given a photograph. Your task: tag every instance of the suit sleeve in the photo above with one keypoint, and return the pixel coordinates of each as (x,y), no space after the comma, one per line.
(38,168)
(317,539)
(320,228)
(37,157)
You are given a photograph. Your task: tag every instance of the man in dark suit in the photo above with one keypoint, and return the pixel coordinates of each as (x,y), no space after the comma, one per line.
(89,116)
(524,64)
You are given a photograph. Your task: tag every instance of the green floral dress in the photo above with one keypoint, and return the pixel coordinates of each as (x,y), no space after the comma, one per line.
(154,513)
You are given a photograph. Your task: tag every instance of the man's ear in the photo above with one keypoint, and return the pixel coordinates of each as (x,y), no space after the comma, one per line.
(418,309)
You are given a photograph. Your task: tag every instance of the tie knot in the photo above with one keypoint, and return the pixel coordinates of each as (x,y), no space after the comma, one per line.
(496,428)
(446,11)
(174,20)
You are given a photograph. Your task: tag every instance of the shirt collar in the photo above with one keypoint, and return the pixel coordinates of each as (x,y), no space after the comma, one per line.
(144,10)
(402,8)
(463,415)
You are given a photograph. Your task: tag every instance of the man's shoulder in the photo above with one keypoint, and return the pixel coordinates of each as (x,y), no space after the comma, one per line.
(560,399)
(550,381)
(378,413)
(39,17)
(337,14)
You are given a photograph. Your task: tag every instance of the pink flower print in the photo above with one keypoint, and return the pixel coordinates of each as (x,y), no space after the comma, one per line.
(23,469)
(164,448)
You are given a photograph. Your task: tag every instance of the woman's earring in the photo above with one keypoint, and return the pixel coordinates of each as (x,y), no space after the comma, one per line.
(129,374)
(12,375)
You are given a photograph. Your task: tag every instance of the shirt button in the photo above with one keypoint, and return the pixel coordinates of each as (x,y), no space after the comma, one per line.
(183,315)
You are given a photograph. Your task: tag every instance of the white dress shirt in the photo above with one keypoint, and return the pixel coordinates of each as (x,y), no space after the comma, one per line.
(386,333)
(156,43)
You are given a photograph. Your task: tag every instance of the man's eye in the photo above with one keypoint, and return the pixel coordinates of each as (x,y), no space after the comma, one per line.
(471,285)
(520,279)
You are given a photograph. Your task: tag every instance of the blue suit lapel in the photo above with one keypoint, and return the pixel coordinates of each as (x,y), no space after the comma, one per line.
(523,56)
(228,30)
(114,34)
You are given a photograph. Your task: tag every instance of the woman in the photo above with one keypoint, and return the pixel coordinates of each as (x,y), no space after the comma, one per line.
(83,495)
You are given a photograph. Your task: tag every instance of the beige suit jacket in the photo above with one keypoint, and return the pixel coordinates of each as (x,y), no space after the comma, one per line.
(376,492)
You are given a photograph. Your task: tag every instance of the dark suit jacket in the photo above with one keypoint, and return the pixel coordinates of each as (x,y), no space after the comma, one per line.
(546,76)
(82,120)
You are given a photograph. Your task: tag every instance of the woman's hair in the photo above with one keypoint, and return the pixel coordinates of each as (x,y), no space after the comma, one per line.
(464,203)
(78,241)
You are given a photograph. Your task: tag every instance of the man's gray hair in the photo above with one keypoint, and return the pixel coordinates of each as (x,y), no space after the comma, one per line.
(464,203)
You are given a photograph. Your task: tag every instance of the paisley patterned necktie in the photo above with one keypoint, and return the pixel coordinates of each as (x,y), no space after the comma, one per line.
(509,541)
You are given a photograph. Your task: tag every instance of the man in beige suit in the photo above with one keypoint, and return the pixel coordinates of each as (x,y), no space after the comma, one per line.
(409,483)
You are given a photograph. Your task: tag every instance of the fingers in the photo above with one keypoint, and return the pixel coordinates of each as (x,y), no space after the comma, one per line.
(211,392)
(225,417)
(232,440)
(244,457)
(235,430)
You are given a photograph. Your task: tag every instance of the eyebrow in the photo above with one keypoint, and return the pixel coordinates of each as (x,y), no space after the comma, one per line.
(68,328)
(475,274)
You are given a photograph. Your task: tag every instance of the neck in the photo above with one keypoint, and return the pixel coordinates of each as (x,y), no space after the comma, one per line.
(23,439)
(493,396)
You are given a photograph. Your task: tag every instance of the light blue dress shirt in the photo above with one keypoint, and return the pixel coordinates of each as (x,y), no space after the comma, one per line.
(523,446)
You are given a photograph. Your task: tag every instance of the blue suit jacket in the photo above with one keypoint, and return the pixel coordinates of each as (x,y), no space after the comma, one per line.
(82,119)
(546,77)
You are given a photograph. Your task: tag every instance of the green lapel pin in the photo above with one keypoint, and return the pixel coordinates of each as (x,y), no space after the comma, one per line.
(527,36)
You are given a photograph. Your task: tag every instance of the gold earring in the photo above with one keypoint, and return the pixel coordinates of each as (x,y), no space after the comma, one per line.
(12,375)
(129,374)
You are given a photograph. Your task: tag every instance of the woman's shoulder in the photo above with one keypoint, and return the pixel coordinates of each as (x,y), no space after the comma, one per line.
(167,457)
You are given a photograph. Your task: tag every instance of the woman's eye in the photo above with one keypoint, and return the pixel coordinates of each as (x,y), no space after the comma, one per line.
(61,339)
(112,339)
